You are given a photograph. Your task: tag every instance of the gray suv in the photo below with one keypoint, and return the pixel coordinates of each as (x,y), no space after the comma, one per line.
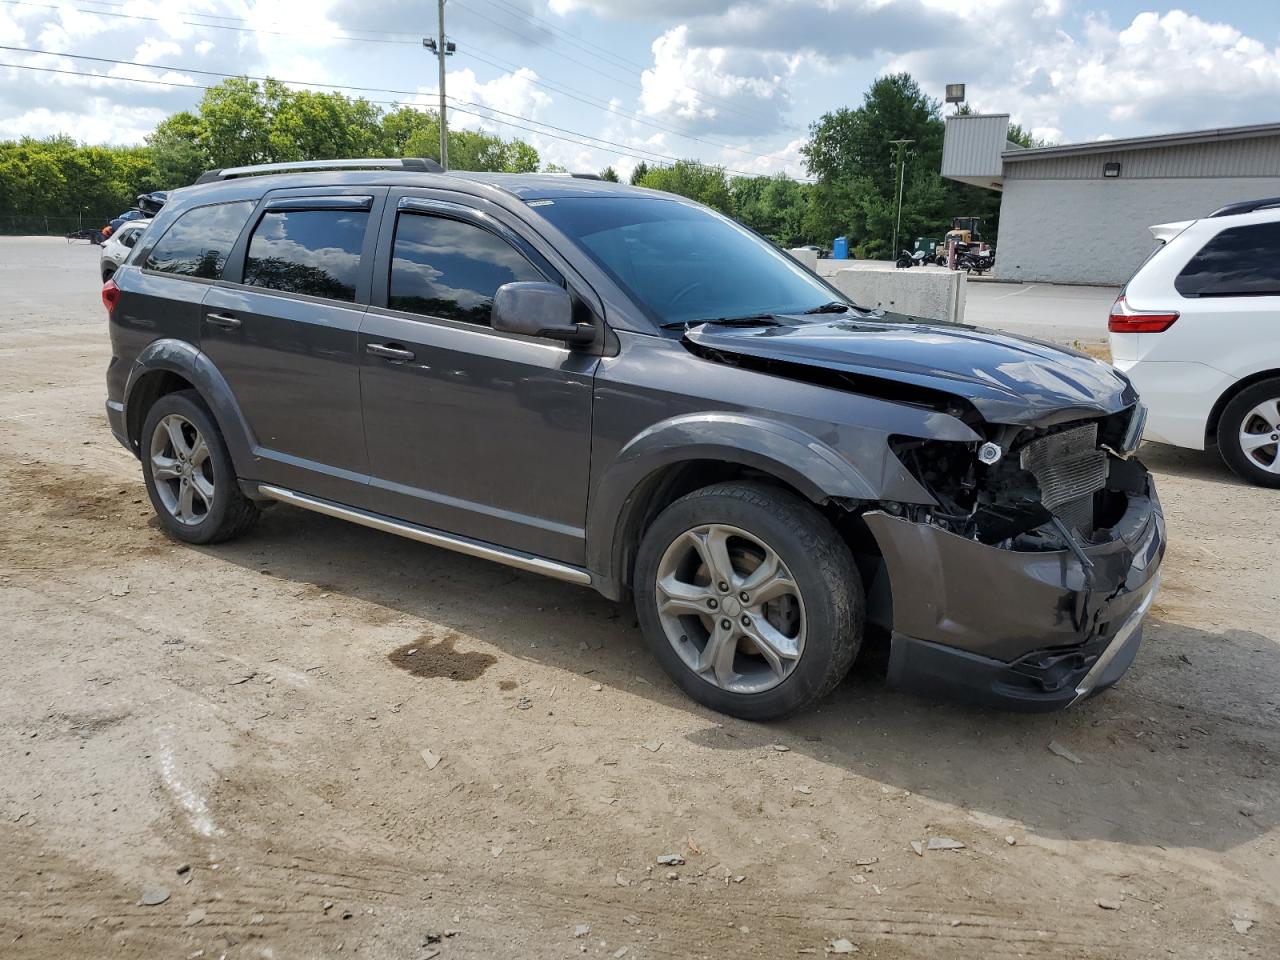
(626,390)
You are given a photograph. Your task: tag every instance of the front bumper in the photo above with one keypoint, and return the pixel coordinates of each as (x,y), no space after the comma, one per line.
(1020,630)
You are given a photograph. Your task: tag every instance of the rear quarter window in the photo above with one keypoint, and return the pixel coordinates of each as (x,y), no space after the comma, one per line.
(314,252)
(1238,262)
(197,243)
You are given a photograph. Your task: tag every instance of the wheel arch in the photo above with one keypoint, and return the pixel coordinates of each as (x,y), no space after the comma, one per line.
(169,365)
(1215,412)
(674,457)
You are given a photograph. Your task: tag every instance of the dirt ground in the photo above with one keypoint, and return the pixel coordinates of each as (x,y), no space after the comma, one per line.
(240,731)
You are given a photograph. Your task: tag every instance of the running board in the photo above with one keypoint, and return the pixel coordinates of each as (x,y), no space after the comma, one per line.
(436,538)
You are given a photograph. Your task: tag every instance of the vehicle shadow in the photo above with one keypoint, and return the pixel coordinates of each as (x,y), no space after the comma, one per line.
(1192,464)
(1183,752)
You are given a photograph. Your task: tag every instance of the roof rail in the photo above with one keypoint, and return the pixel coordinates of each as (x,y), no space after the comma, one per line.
(1247,206)
(586,176)
(416,164)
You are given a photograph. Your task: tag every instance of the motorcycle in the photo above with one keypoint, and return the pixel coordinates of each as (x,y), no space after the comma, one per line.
(908,259)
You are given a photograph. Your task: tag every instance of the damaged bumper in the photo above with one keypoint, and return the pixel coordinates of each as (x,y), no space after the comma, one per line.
(1023,630)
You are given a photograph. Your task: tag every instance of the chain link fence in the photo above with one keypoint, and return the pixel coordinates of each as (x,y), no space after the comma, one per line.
(40,225)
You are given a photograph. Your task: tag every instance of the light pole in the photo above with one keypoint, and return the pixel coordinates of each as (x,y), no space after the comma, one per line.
(442,49)
(897,225)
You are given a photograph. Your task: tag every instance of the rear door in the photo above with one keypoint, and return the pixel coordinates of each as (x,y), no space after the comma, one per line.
(469,430)
(283,332)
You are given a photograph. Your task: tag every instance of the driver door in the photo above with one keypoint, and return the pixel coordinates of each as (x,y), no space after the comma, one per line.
(468,430)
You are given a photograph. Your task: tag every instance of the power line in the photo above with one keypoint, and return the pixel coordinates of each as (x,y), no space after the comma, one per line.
(568,35)
(652,154)
(499,64)
(394,38)
(583,44)
(626,150)
(194,23)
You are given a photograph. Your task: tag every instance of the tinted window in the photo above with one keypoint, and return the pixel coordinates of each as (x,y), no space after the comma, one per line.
(682,262)
(316,252)
(447,268)
(1239,261)
(197,243)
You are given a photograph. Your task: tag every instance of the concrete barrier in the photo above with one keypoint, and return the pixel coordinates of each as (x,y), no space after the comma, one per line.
(807,257)
(934,293)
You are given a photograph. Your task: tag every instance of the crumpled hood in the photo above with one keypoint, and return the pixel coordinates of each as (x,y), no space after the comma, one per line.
(1008,379)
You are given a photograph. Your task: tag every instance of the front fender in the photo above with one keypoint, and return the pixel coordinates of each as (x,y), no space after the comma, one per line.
(186,360)
(784,451)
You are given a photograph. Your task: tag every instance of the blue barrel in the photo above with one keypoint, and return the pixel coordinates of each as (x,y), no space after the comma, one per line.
(840,248)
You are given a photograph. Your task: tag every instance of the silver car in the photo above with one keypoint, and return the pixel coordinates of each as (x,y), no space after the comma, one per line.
(117,246)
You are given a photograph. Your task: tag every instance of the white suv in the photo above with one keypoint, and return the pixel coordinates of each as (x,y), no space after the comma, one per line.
(1197,330)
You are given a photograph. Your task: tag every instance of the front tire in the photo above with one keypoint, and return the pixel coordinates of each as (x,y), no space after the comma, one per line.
(749,599)
(189,475)
(1249,433)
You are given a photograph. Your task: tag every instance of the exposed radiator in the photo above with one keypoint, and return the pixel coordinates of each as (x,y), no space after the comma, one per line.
(1070,469)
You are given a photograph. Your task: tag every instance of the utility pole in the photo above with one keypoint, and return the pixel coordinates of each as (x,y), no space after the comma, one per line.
(442,49)
(901,145)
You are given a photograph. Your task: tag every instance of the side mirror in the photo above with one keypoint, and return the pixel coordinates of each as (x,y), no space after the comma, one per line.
(536,309)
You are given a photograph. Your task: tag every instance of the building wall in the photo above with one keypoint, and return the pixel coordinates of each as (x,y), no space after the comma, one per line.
(972,145)
(1095,230)
(1253,157)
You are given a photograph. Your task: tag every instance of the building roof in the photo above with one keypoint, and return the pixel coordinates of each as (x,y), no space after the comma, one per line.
(1216,135)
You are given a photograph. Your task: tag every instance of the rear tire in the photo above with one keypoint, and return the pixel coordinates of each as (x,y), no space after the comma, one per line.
(189,475)
(774,632)
(1249,433)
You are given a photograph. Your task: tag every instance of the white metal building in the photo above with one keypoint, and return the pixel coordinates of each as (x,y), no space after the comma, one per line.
(1079,213)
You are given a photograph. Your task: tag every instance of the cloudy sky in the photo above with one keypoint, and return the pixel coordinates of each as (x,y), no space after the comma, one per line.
(734,82)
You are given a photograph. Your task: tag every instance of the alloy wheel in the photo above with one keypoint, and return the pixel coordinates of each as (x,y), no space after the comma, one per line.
(182,469)
(1260,435)
(730,608)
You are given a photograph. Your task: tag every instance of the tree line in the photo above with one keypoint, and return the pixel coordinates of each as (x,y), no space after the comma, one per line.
(849,152)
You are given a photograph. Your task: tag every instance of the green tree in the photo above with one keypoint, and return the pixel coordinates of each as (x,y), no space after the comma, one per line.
(235,121)
(773,206)
(850,150)
(306,125)
(691,179)
(176,150)
(640,171)
(610,174)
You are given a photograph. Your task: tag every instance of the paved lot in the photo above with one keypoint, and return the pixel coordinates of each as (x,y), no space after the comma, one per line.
(1063,314)
(1049,311)
(242,727)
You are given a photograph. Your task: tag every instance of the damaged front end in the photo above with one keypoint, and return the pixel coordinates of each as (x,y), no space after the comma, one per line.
(1025,583)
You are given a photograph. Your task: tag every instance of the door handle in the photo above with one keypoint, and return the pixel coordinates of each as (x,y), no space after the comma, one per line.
(224,320)
(388,352)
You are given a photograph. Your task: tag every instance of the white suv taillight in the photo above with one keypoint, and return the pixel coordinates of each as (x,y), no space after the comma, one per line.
(1125,319)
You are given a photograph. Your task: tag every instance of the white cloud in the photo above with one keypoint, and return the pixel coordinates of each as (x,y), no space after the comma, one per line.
(706,89)
(1160,72)
(153,50)
(103,122)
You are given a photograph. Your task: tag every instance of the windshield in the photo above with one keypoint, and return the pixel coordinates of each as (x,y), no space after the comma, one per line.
(685,263)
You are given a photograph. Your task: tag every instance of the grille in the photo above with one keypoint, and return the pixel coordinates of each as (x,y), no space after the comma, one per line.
(1070,469)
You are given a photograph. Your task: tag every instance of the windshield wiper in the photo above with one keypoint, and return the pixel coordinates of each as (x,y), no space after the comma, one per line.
(754,320)
(832,306)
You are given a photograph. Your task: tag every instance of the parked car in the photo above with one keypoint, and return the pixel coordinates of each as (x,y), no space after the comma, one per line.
(624,389)
(127,217)
(117,247)
(1195,329)
(822,252)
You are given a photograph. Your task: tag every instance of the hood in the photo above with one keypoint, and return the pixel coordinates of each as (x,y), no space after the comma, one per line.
(1008,379)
